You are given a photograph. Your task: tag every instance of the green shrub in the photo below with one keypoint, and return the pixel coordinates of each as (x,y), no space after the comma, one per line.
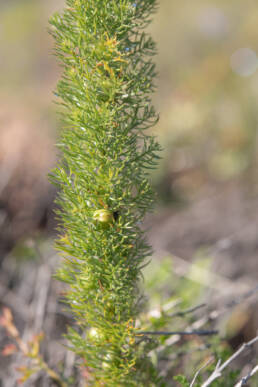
(105,94)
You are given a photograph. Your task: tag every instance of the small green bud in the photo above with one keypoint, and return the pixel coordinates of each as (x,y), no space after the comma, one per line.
(95,334)
(103,216)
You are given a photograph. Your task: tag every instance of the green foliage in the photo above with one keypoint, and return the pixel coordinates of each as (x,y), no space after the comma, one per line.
(105,97)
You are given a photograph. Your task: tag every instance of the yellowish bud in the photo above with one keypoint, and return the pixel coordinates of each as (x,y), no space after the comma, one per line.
(103,216)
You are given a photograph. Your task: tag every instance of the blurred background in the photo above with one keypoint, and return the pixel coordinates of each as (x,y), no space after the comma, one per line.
(204,226)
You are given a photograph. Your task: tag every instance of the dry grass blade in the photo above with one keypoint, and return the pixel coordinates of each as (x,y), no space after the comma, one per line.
(200,369)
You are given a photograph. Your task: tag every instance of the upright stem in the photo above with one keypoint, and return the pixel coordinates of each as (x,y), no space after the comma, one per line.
(105,94)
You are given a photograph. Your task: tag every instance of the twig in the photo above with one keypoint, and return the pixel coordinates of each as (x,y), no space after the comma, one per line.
(182,333)
(200,369)
(220,367)
(245,379)
(187,311)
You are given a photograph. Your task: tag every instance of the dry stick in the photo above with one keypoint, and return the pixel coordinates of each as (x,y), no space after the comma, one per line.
(200,369)
(182,333)
(245,379)
(220,367)
(182,313)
